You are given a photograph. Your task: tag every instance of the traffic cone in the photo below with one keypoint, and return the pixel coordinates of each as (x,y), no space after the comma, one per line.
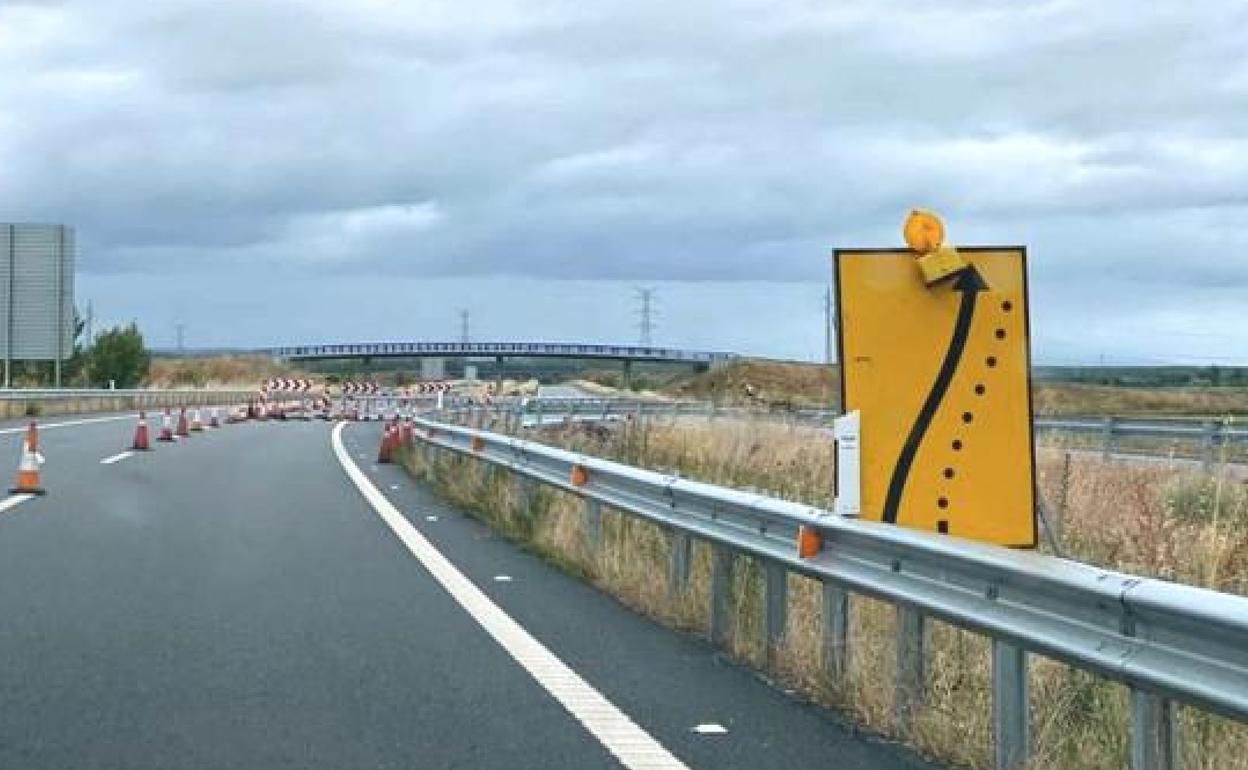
(213,420)
(183,431)
(140,434)
(166,427)
(196,423)
(386,453)
(28,468)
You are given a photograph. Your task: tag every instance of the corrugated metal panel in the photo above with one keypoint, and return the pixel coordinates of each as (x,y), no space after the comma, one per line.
(37,283)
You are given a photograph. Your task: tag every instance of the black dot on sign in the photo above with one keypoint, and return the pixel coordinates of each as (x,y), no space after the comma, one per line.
(942,503)
(992,361)
(948,473)
(1000,334)
(1007,306)
(942,526)
(980,390)
(967,417)
(957,445)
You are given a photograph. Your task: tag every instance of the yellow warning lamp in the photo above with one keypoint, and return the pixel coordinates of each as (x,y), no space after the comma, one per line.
(925,234)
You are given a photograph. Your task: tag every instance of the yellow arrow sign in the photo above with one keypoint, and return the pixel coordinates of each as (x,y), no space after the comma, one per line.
(940,377)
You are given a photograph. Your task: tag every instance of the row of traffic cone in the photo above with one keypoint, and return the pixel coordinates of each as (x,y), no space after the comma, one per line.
(168,432)
(28,467)
(395,435)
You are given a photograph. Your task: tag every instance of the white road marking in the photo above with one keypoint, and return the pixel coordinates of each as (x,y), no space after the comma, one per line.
(431,518)
(71,423)
(14,501)
(116,458)
(502,578)
(630,744)
(711,728)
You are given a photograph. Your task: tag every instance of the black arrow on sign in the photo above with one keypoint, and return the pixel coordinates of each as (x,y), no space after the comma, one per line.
(969,284)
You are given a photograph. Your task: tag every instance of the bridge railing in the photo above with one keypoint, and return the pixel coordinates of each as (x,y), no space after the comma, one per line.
(1168,643)
(508,349)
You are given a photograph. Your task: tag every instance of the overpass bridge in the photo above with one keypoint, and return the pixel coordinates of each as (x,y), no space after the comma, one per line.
(501,351)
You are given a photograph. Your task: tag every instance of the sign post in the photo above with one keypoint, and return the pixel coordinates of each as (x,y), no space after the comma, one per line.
(934,355)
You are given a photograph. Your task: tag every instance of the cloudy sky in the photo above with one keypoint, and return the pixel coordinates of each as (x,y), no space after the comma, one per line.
(279,172)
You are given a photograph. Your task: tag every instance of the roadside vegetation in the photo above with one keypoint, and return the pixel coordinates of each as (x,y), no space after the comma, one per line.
(1155,522)
(780,384)
(217,371)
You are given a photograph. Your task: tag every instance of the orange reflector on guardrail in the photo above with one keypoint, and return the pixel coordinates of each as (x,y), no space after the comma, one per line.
(809,541)
(579,476)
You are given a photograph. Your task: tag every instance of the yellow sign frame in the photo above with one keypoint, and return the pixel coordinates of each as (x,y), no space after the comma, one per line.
(941,377)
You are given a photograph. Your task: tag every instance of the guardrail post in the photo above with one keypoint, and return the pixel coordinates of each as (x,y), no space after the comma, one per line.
(777,605)
(721,586)
(1208,445)
(835,632)
(1107,450)
(678,567)
(1154,739)
(911,674)
(593,526)
(1009,706)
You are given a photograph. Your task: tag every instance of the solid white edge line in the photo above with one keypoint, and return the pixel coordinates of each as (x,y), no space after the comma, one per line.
(630,744)
(14,500)
(71,423)
(116,458)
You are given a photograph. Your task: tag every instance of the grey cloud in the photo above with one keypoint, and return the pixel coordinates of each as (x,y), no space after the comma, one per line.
(639,141)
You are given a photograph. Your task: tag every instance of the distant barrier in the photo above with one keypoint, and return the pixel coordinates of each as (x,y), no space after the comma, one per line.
(29,403)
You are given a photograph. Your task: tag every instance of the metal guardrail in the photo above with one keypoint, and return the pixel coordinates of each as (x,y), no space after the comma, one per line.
(27,401)
(1167,642)
(1207,435)
(45,394)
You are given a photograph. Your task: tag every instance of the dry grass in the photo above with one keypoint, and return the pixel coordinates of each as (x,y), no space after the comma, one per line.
(1067,398)
(1147,521)
(752,382)
(817,385)
(216,371)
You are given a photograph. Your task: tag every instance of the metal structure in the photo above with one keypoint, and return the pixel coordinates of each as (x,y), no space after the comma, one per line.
(37,276)
(1208,435)
(1168,643)
(17,402)
(645,313)
(499,350)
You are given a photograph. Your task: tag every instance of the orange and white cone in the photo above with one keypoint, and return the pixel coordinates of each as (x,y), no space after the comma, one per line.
(213,420)
(197,424)
(183,428)
(140,434)
(28,468)
(166,427)
(386,453)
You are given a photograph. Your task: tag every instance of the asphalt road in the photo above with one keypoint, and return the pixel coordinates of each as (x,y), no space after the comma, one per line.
(561,391)
(234,601)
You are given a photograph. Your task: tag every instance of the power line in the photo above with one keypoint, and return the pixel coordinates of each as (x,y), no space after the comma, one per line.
(827,325)
(463,326)
(646,312)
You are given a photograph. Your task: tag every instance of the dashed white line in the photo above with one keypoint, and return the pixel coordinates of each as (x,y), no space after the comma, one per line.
(630,744)
(116,458)
(14,500)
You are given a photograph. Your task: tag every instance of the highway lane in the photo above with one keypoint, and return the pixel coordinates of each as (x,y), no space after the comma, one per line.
(234,601)
(561,391)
